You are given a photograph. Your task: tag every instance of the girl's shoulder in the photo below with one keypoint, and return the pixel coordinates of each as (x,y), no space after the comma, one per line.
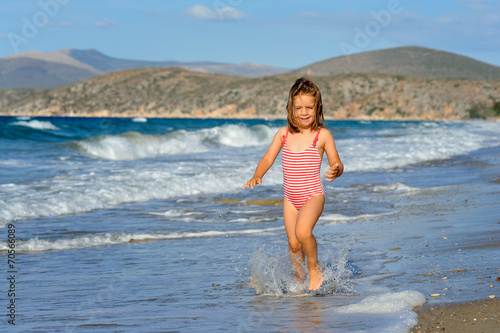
(324,132)
(280,135)
(282,131)
(324,136)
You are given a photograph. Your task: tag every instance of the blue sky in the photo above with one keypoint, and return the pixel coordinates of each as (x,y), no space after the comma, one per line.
(280,33)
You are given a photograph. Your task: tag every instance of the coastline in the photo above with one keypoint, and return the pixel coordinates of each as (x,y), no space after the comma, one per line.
(236,116)
(475,316)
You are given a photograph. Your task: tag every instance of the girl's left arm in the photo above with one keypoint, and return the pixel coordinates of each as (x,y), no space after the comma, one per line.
(336,168)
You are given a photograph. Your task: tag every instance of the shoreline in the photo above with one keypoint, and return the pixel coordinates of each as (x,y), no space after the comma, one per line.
(473,316)
(270,117)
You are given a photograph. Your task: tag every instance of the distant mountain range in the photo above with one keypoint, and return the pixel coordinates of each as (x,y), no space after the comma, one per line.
(399,83)
(410,61)
(34,69)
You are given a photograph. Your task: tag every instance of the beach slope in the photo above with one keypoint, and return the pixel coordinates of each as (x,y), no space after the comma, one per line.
(477,316)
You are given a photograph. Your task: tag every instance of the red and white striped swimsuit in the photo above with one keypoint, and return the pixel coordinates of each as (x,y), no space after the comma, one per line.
(301,173)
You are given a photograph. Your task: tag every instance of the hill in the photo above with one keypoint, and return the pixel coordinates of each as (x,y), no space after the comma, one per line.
(176,92)
(411,61)
(34,69)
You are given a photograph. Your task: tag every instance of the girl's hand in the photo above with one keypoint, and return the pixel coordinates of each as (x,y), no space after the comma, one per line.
(252,182)
(332,172)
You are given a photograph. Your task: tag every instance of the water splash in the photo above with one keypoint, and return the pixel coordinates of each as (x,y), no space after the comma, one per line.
(272,273)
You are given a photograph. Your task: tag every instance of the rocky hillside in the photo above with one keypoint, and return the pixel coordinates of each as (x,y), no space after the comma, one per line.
(176,92)
(11,96)
(409,61)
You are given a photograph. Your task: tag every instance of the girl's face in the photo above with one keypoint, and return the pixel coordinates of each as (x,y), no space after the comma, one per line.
(304,110)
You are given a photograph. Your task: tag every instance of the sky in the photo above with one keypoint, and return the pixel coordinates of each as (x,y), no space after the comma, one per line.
(282,33)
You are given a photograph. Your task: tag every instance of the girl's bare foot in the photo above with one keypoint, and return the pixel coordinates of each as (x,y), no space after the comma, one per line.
(315,277)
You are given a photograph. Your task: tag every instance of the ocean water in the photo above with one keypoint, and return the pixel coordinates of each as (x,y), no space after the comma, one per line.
(140,225)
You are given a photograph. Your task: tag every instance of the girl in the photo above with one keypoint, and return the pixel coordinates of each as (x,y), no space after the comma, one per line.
(303,142)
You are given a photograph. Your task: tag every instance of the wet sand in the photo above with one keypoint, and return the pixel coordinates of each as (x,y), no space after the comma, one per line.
(478,316)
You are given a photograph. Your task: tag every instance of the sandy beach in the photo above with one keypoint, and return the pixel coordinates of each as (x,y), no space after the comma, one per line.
(477,316)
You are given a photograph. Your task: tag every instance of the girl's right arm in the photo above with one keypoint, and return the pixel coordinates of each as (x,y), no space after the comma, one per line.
(267,161)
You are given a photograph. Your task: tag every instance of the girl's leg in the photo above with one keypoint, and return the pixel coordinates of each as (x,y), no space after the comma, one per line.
(296,254)
(306,220)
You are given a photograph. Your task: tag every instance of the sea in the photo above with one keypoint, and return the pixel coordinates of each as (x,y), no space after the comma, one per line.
(141,225)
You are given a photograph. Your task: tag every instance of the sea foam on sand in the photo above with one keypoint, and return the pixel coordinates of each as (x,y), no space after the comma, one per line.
(390,311)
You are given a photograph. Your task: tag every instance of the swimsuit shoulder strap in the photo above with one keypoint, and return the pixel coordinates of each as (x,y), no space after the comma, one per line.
(316,138)
(284,138)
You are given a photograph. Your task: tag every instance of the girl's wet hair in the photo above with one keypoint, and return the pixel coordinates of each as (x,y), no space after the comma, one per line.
(306,87)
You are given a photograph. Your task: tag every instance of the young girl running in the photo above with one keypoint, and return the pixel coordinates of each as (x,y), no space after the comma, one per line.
(303,141)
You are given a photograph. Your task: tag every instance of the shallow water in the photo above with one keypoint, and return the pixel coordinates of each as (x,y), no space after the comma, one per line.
(133,226)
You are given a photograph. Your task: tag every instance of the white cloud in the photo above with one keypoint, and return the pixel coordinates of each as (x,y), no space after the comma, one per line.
(105,23)
(231,13)
(203,13)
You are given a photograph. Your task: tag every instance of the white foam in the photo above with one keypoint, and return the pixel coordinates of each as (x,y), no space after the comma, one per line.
(140,120)
(15,163)
(133,145)
(254,219)
(37,124)
(397,188)
(340,219)
(386,303)
(175,213)
(81,193)
(39,245)
(105,184)
(110,185)
(393,311)
(130,146)
(414,143)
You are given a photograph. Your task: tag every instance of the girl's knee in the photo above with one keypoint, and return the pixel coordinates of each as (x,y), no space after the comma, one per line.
(294,247)
(303,235)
